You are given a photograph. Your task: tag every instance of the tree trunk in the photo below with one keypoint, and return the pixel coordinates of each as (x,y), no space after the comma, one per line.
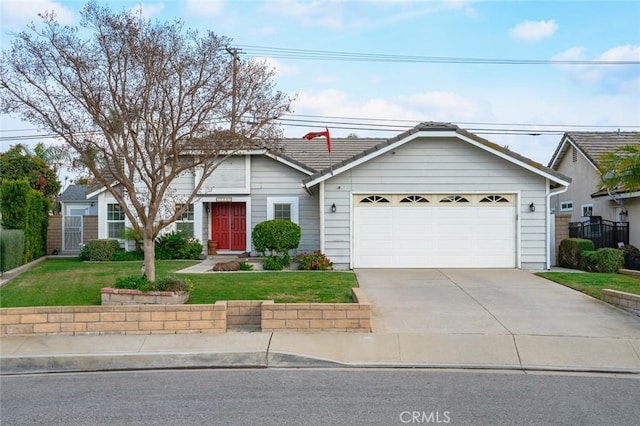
(149,259)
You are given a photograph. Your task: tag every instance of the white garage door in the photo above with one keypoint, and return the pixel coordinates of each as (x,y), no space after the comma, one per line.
(435,231)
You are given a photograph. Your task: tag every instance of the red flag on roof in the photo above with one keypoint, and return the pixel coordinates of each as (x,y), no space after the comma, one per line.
(313,135)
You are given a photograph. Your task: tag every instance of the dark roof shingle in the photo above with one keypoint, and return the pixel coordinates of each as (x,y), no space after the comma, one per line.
(594,144)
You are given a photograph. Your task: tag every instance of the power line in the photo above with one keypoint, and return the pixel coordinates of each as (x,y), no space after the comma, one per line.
(325,55)
(474,123)
(389,125)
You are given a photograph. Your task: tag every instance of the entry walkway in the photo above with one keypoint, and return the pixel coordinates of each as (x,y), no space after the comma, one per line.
(489,302)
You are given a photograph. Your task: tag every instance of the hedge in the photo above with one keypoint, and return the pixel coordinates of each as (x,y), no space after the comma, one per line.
(27,209)
(11,248)
(570,251)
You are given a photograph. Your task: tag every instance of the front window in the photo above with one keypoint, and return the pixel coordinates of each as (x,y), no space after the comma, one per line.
(282,211)
(285,208)
(115,220)
(587,210)
(184,222)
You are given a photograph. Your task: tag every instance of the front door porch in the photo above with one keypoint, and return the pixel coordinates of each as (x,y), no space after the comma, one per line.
(229,225)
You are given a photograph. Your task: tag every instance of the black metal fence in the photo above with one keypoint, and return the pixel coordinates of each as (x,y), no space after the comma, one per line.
(603,233)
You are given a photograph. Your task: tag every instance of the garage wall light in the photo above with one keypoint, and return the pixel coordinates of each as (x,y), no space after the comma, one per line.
(532,207)
(333,208)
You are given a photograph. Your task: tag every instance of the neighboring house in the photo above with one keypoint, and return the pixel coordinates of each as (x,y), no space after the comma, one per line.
(434,196)
(578,156)
(77,222)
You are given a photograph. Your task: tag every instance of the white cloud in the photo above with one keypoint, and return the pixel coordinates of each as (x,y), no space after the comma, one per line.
(534,30)
(204,8)
(17,13)
(282,70)
(310,13)
(621,78)
(148,10)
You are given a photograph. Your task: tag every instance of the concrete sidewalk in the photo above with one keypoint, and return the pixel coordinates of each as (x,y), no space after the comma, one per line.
(38,354)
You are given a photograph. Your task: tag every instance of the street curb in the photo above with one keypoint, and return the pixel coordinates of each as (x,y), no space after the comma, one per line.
(258,360)
(129,361)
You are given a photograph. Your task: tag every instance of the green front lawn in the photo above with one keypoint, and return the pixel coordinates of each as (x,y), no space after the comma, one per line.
(593,283)
(68,282)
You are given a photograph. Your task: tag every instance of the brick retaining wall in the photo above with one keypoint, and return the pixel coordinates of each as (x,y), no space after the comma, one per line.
(216,318)
(318,316)
(114,319)
(623,300)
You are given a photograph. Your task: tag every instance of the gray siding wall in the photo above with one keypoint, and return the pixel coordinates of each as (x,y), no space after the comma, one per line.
(585,181)
(437,166)
(270,178)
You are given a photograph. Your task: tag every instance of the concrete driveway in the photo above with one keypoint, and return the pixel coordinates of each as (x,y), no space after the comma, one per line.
(487,301)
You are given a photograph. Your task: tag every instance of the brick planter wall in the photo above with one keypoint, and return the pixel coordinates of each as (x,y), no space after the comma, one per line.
(122,296)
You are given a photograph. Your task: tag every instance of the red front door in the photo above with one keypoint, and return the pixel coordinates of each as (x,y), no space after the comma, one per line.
(229,225)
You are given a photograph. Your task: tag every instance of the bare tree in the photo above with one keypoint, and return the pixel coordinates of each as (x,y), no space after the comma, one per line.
(141,102)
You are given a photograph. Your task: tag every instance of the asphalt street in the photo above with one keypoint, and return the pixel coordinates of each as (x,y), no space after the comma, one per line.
(319,397)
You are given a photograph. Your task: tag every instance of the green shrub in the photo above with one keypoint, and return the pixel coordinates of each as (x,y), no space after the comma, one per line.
(588,260)
(315,261)
(605,260)
(127,256)
(84,252)
(244,266)
(11,248)
(273,263)
(101,250)
(168,283)
(570,251)
(276,238)
(631,257)
(173,283)
(175,245)
(132,282)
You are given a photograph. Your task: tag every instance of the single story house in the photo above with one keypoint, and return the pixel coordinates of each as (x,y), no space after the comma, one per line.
(578,156)
(435,196)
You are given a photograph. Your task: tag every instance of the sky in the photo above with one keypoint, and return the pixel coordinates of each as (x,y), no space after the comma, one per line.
(400,84)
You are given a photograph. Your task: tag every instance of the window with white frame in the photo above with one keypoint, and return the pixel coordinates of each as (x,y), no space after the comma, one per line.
(566,206)
(282,208)
(115,220)
(587,210)
(184,222)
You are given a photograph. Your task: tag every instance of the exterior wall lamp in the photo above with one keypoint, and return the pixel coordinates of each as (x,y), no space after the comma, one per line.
(333,208)
(207,208)
(532,207)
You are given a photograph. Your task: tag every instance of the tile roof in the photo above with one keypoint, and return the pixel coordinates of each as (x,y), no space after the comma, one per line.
(435,127)
(593,144)
(75,193)
(313,153)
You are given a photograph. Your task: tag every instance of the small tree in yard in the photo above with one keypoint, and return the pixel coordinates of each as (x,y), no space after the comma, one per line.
(274,239)
(141,103)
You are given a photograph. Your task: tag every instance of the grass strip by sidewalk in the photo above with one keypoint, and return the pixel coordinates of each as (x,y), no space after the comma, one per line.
(592,283)
(70,282)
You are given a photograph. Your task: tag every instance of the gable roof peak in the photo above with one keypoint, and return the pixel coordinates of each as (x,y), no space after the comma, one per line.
(593,144)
